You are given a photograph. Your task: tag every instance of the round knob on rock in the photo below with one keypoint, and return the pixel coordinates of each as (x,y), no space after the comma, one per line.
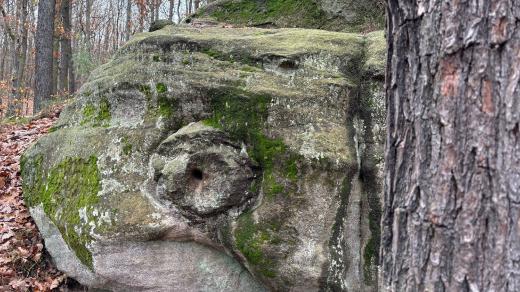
(200,170)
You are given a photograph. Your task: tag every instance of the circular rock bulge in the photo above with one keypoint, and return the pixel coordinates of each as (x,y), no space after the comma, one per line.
(201,171)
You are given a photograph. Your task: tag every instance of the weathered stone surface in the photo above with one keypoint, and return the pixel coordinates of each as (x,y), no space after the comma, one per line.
(201,171)
(335,15)
(210,159)
(159,24)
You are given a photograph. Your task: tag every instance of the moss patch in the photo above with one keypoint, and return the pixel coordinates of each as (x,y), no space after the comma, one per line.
(146,90)
(97,117)
(126,147)
(68,194)
(250,238)
(161,88)
(165,105)
(243,115)
(376,54)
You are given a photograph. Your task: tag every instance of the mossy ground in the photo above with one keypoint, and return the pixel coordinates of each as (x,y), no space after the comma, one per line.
(66,191)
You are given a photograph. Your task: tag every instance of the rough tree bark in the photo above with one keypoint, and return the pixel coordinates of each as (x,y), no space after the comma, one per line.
(44,58)
(66,49)
(452,186)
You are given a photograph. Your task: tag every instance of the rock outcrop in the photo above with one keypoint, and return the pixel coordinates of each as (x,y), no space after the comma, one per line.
(335,15)
(218,159)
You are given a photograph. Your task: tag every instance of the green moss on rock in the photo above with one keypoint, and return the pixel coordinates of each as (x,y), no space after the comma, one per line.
(127,146)
(250,238)
(99,116)
(161,88)
(296,13)
(165,104)
(243,115)
(364,15)
(68,193)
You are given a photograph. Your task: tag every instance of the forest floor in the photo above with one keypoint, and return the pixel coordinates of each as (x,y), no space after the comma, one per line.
(24,265)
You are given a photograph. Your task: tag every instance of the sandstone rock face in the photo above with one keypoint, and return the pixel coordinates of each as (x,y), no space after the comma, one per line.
(218,159)
(335,15)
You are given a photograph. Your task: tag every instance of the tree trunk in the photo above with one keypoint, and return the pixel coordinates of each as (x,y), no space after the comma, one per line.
(23,42)
(157,8)
(19,57)
(452,185)
(44,49)
(117,38)
(170,10)
(55,62)
(142,14)
(14,102)
(66,47)
(178,10)
(152,11)
(128,20)
(88,21)
(5,50)
(5,21)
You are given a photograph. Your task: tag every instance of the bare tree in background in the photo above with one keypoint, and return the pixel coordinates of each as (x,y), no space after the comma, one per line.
(86,33)
(44,50)
(19,57)
(128,20)
(170,9)
(66,71)
(88,24)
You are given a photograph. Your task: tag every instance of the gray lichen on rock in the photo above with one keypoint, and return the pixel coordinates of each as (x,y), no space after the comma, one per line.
(218,151)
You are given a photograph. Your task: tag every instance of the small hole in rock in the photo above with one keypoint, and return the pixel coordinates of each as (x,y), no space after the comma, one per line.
(197,174)
(288,65)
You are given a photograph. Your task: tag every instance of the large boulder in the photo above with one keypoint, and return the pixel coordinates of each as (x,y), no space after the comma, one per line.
(217,159)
